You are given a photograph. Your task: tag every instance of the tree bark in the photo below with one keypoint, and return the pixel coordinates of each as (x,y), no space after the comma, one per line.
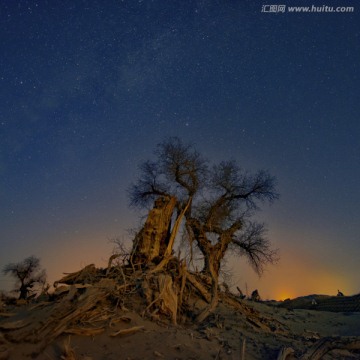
(24,289)
(214,296)
(168,251)
(151,242)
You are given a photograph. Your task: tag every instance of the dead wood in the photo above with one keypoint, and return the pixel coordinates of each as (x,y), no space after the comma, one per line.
(327,344)
(198,286)
(4,314)
(151,242)
(19,324)
(88,275)
(167,254)
(66,315)
(90,308)
(235,302)
(117,268)
(182,275)
(85,331)
(285,353)
(243,349)
(168,296)
(69,353)
(116,320)
(129,331)
(111,259)
(209,309)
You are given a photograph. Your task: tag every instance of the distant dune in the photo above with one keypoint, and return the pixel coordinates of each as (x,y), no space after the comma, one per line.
(344,304)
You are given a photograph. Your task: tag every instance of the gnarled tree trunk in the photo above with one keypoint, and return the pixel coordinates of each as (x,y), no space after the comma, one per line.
(151,242)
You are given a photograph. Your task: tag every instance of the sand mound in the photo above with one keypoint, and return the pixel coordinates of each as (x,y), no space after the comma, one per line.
(119,313)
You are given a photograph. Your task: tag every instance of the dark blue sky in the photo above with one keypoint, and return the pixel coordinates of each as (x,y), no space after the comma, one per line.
(88,88)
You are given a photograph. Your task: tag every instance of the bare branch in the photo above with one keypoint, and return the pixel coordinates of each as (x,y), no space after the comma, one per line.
(182,164)
(149,186)
(252,243)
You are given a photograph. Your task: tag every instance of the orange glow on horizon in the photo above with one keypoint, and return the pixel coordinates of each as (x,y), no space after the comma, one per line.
(284,296)
(299,273)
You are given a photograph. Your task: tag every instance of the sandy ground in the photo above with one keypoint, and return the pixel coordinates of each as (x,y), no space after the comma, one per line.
(222,336)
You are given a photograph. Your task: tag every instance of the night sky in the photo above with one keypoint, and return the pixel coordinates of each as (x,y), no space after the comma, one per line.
(88,88)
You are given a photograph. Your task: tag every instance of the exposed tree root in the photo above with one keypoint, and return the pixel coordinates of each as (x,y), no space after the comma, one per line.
(327,344)
(171,296)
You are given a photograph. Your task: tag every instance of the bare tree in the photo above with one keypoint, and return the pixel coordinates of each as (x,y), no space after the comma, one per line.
(216,202)
(222,221)
(27,273)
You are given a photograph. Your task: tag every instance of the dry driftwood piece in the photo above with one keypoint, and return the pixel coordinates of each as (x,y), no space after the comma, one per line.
(285,353)
(114,321)
(168,296)
(111,259)
(129,331)
(13,325)
(199,287)
(243,349)
(84,331)
(4,314)
(326,344)
(88,275)
(158,354)
(69,353)
(211,307)
(66,316)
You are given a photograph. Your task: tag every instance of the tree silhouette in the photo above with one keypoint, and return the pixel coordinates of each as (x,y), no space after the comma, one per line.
(27,273)
(217,204)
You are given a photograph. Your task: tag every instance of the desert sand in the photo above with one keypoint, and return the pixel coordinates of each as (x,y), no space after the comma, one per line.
(88,322)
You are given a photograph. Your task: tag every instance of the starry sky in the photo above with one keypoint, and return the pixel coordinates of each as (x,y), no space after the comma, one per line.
(89,87)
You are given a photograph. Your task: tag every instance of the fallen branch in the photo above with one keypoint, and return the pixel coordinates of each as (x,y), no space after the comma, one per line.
(243,349)
(111,259)
(14,325)
(167,298)
(324,345)
(84,331)
(7,314)
(69,353)
(129,331)
(120,319)
(199,287)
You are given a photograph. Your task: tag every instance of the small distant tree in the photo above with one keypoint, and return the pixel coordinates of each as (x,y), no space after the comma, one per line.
(255,296)
(27,274)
